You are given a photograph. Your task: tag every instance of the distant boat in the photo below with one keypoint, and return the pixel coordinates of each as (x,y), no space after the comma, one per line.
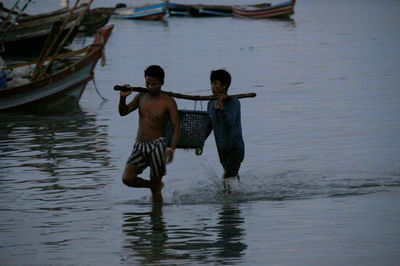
(32,31)
(94,19)
(153,11)
(282,10)
(199,10)
(178,9)
(65,81)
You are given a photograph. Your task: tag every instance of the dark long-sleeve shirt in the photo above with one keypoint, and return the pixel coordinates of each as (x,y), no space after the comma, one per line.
(227,128)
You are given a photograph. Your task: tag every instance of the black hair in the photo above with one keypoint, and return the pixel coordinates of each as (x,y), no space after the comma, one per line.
(222,76)
(156,72)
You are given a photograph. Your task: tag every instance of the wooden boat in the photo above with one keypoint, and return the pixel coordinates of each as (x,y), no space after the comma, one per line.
(32,31)
(282,10)
(6,13)
(178,9)
(94,19)
(153,11)
(214,10)
(199,10)
(65,81)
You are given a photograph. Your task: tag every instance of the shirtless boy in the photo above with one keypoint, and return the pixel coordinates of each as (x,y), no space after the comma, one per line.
(155,109)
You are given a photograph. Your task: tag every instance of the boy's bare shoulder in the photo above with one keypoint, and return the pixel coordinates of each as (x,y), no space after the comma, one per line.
(168,98)
(140,95)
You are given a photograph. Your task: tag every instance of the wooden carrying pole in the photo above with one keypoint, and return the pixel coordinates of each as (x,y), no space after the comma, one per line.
(185,96)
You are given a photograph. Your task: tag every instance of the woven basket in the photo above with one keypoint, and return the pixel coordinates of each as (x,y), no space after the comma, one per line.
(193,129)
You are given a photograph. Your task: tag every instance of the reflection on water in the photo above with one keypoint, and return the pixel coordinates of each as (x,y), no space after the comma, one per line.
(49,155)
(146,235)
(230,233)
(150,239)
(52,175)
(63,144)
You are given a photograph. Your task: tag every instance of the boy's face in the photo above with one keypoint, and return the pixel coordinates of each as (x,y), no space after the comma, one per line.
(218,88)
(153,85)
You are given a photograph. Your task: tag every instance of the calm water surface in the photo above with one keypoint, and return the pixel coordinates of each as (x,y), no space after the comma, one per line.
(321,176)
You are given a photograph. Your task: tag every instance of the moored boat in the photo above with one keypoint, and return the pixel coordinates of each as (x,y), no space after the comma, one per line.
(32,31)
(199,10)
(7,14)
(94,19)
(152,11)
(175,9)
(64,81)
(281,10)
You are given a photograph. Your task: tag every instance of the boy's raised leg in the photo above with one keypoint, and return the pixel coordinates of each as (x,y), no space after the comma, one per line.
(130,178)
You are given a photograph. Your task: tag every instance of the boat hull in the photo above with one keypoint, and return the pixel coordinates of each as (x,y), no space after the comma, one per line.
(146,12)
(32,31)
(31,95)
(199,10)
(94,19)
(67,83)
(282,10)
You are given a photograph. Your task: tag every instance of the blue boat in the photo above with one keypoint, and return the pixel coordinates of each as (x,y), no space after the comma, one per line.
(153,11)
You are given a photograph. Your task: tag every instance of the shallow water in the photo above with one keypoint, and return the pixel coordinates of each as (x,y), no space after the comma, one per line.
(321,171)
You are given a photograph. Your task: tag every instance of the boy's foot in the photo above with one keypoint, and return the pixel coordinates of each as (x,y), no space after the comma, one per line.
(227,186)
(226,183)
(232,178)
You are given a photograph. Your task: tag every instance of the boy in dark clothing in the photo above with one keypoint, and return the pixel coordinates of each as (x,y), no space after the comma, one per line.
(224,114)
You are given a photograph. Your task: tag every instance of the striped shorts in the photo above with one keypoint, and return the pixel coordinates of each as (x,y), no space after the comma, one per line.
(151,154)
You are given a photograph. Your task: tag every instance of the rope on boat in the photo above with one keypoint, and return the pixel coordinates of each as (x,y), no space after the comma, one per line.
(97,90)
(103,63)
(102,49)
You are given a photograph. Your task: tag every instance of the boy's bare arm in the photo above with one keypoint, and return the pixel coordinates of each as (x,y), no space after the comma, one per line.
(124,108)
(174,117)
